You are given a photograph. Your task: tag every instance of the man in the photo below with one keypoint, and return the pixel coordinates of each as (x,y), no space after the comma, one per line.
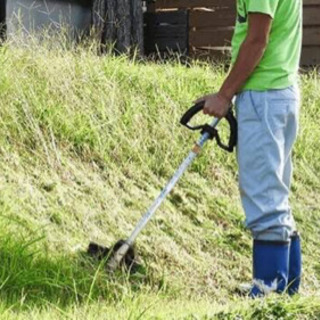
(265,58)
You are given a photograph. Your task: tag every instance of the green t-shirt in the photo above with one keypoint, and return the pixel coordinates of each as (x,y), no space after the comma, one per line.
(279,65)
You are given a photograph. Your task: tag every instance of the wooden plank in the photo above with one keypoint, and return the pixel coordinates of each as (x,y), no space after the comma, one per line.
(311,2)
(174,31)
(210,37)
(311,16)
(172,17)
(310,56)
(219,18)
(171,4)
(311,36)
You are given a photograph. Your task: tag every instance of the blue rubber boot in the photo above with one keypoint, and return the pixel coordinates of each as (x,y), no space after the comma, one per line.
(270,267)
(295,265)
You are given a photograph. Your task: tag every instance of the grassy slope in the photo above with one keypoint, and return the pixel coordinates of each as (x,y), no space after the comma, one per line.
(86,143)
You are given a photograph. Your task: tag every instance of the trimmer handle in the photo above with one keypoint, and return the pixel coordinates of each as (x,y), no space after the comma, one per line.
(233,138)
(213,132)
(186,118)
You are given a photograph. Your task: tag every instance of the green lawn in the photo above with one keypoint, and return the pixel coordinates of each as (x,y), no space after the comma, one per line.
(86,144)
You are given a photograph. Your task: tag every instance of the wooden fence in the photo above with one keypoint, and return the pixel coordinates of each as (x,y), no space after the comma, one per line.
(311,33)
(210,26)
(167,32)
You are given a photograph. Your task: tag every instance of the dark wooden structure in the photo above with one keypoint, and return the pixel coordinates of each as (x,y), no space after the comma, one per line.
(167,32)
(210,27)
(119,22)
(311,33)
(3,24)
(194,28)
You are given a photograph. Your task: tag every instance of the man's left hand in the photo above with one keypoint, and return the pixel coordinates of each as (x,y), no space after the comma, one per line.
(216,105)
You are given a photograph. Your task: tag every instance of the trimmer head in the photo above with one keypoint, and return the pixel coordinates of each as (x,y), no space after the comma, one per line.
(100,252)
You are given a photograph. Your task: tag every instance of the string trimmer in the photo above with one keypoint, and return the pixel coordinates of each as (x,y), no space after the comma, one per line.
(123,252)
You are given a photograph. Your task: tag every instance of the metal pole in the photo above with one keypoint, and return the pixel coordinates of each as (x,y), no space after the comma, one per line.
(115,260)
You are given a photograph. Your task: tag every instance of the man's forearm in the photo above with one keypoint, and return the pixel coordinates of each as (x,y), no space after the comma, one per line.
(250,54)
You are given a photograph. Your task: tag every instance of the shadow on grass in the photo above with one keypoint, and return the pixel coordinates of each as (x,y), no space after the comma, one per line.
(34,278)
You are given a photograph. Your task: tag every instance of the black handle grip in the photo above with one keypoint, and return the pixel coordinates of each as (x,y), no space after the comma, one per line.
(190,114)
(233,138)
(213,132)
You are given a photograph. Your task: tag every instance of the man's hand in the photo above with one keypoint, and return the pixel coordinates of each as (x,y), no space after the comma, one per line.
(216,105)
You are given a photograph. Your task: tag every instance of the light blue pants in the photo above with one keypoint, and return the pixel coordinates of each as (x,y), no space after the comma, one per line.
(267,130)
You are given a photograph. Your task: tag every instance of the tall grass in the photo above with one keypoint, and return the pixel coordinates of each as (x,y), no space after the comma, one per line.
(86,143)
